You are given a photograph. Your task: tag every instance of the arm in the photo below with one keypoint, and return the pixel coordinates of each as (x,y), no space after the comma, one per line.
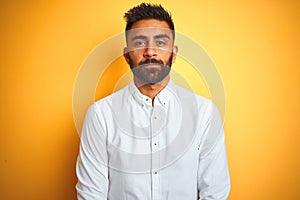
(91,169)
(213,173)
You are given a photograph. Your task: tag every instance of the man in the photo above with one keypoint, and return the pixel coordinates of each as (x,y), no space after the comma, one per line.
(152,139)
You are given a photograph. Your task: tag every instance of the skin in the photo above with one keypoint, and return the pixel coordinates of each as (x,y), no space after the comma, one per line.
(150,39)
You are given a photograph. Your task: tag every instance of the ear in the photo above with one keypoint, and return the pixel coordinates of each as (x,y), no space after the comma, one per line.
(175,50)
(126,54)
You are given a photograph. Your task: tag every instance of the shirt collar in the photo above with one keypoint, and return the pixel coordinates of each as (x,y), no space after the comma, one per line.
(162,97)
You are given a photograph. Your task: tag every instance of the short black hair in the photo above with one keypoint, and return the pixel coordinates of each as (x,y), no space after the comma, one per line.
(148,11)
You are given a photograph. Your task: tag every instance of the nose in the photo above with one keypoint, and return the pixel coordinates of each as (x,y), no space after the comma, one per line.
(150,52)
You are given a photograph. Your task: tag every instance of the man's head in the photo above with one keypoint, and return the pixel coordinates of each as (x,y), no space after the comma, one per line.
(148,11)
(150,49)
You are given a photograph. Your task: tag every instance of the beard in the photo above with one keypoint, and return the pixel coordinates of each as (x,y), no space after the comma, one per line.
(151,71)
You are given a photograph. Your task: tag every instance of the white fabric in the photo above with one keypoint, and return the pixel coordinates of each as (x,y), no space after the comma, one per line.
(173,150)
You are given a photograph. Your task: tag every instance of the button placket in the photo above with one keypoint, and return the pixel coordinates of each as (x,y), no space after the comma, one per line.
(157,119)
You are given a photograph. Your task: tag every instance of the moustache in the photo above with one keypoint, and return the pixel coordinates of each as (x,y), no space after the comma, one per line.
(151,61)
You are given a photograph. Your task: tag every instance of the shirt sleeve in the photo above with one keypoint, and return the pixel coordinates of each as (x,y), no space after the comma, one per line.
(213,173)
(91,168)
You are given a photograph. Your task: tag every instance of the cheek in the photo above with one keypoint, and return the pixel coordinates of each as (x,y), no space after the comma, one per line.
(136,56)
(166,57)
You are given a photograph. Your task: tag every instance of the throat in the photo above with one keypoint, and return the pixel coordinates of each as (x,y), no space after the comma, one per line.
(151,90)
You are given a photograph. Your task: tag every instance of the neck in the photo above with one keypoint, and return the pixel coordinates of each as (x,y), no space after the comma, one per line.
(151,90)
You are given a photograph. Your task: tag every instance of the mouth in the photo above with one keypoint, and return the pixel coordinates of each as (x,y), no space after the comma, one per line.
(151,62)
(148,65)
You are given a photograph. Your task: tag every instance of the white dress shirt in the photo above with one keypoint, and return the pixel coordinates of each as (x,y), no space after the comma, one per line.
(171,150)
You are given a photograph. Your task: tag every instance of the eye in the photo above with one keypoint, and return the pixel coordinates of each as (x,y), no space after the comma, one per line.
(140,43)
(160,43)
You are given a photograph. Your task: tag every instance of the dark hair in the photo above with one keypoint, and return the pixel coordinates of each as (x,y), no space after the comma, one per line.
(148,11)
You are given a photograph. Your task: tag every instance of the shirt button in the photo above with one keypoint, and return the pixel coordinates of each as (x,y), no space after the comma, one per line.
(154,173)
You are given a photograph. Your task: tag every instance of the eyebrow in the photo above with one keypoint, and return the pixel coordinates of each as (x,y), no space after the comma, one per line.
(161,36)
(142,37)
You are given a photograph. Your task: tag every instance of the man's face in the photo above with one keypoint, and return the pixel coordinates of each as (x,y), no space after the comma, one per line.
(150,51)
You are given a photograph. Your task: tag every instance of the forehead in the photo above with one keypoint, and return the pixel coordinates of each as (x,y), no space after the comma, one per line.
(149,28)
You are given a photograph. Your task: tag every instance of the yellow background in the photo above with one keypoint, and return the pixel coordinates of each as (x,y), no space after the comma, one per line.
(254,44)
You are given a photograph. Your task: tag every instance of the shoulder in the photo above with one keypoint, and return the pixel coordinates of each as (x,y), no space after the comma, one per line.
(200,106)
(101,111)
(187,96)
(107,102)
